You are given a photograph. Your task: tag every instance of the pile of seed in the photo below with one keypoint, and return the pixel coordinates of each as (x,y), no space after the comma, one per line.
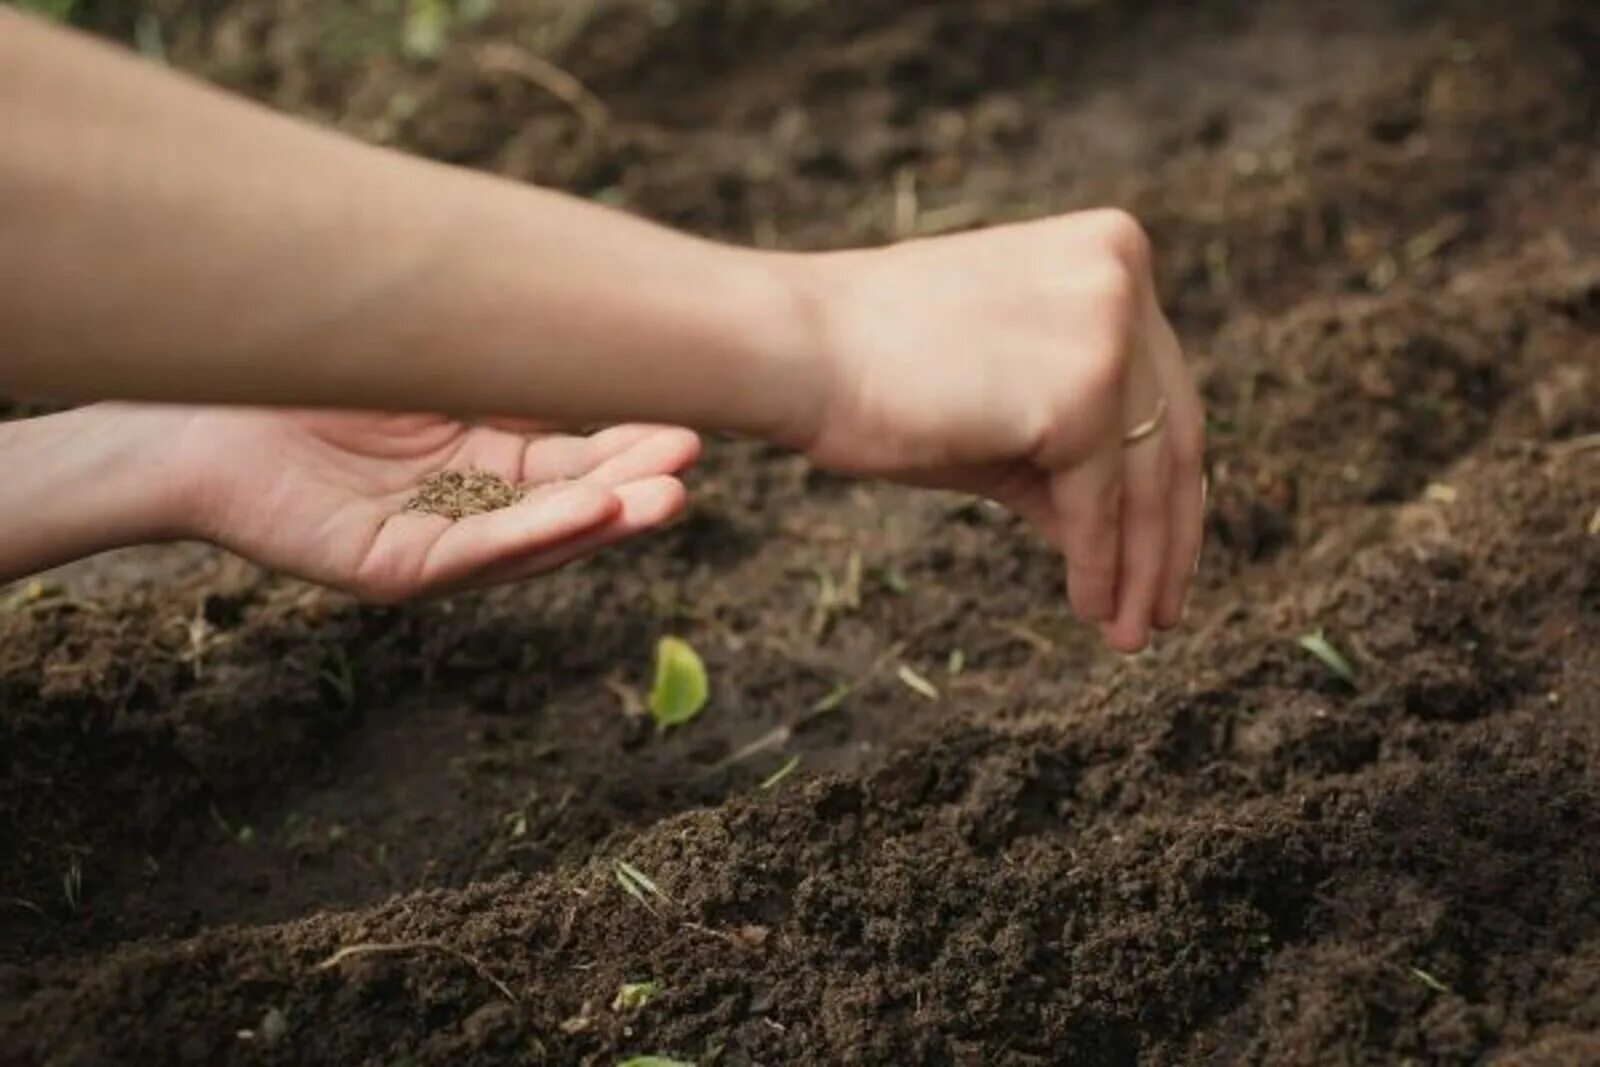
(457,494)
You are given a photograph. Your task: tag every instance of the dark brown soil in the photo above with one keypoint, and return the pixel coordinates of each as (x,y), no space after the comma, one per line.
(1379,228)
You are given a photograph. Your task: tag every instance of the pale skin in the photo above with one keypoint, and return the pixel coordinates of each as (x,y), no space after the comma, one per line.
(244,286)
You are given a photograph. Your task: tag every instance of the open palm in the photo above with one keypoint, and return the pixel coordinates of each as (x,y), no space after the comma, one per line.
(322,495)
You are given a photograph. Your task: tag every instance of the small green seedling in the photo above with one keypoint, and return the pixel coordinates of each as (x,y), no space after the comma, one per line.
(834,697)
(1317,644)
(72,884)
(341,677)
(653,1061)
(681,688)
(243,834)
(1429,980)
(788,768)
(426,30)
(894,579)
(635,995)
(639,885)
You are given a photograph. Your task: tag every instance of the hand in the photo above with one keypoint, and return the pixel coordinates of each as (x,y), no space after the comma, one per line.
(322,495)
(1014,363)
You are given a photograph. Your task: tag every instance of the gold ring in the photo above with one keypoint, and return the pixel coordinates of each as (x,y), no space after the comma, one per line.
(1148,427)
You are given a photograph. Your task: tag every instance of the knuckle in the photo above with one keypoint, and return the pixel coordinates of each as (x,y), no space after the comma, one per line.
(1115,287)
(1101,368)
(1125,237)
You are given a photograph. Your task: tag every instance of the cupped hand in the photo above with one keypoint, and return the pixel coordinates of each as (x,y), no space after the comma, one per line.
(323,495)
(1026,363)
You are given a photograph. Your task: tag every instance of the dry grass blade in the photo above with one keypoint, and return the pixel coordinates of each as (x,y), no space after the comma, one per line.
(374,948)
(917,683)
(788,768)
(1429,980)
(501,57)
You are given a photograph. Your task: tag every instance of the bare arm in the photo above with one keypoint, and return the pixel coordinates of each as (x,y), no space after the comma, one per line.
(162,240)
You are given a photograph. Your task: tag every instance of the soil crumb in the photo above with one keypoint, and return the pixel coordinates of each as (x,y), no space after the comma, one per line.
(458,494)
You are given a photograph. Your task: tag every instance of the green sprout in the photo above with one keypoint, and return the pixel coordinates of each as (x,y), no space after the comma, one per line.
(639,885)
(681,689)
(1429,980)
(72,884)
(1317,644)
(788,768)
(653,1061)
(894,579)
(243,834)
(426,30)
(835,696)
(635,995)
(341,677)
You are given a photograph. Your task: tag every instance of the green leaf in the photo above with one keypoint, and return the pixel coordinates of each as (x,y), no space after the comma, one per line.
(1332,658)
(653,1061)
(427,29)
(681,688)
(635,995)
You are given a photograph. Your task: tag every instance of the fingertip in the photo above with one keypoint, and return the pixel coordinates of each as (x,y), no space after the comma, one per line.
(692,445)
(681,449)
(651,501)
(1127,638)
(569,509)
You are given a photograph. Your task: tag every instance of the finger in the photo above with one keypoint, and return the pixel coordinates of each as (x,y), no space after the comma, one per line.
(668,450)
(1185,441)
(561,457)
(646,505)
(1087,501)
(414,554)
(1143,557)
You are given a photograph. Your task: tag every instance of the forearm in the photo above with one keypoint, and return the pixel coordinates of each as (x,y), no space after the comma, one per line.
(83,482)
(160,240)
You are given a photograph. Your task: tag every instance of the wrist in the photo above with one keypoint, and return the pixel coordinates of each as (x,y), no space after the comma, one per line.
(786,398)
(89,480)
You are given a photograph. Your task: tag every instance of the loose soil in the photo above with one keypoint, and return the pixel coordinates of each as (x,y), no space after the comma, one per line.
(1379,229)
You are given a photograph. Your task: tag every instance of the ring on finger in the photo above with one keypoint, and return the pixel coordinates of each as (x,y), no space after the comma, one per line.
(1149,427)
